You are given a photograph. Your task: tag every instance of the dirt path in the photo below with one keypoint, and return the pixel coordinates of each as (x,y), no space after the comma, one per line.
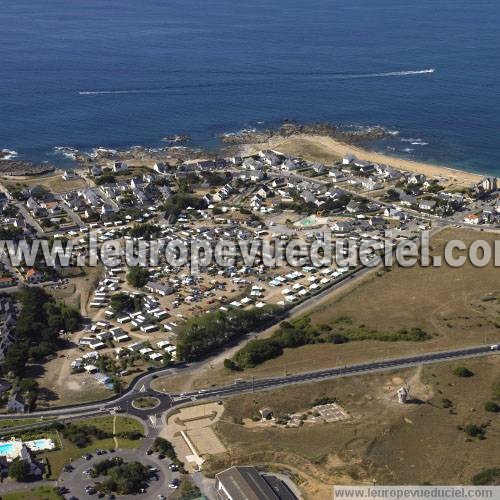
(115,439)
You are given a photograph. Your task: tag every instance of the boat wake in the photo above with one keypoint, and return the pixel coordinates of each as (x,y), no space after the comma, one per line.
(333,76)
(392,73)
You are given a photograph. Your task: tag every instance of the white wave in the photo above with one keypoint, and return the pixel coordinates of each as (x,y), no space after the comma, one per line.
(8,154)
(66,151)
(419,143)
(409,150)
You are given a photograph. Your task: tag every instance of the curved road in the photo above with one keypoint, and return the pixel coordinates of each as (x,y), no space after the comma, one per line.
(168,401)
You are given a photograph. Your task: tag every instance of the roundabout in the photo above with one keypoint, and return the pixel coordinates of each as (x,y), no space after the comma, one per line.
(146,403)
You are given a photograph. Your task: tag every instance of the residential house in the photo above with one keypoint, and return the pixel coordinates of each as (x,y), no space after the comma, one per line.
(472,219)
(407,200)
(252,164)
(489,184)
(417,179)
(336,176)
(16,403)
(354,207)
(318,168)
(33,276)
(106,210)
(371,184)
(271,158)
(161,168)
(427,205)
(119,166)
(348,159)
(35,208)
(365,167)
(69,175)
(343,226)
(290,164)
(264,191)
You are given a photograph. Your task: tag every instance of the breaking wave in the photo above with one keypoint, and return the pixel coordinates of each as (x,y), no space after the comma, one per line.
(8,154)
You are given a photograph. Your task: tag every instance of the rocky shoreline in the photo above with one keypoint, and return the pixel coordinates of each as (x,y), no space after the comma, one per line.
(289,129)
(176,151)
(15,168)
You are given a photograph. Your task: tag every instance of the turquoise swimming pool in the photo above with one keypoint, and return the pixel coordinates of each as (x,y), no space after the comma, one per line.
(12,448)
(40,444)
(6,448)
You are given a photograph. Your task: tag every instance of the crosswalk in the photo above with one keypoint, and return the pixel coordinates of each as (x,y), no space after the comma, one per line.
(155,421)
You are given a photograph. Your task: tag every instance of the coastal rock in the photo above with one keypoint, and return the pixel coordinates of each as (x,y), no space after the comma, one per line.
(177,139)
(24,168)
(290,128)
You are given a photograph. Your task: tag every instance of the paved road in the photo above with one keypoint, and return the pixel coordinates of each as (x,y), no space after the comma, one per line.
(330,373)
(168,401)
(73,215)
(30,220)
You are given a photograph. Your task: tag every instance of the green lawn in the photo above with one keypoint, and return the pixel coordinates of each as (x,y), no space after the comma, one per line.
(40,493)
(13,422)
(68,452)
(123,424)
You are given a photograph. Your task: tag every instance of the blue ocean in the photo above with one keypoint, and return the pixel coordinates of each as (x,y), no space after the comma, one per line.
(117,73)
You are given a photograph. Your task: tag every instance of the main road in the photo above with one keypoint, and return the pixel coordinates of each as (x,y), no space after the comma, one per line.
(168,401)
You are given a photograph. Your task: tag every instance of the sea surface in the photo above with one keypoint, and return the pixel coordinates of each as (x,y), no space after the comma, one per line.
(117,73)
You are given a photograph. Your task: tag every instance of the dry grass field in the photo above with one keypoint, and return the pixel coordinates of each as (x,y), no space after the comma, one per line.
(383,440)
(52,182)
(306,148)
(328,150)
(456,306)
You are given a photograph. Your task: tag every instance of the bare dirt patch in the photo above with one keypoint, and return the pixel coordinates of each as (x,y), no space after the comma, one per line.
(191,433)
(384,440)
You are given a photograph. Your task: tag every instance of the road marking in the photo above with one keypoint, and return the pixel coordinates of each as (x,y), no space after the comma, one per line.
(143,388)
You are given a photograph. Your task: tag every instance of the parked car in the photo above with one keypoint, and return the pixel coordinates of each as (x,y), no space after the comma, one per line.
(174,484)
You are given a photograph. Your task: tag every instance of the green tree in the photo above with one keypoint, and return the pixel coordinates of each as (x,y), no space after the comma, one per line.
(462,371)
(492,407)
(19,470)
(474,430)
(16,358)
(486,477)
(137,276)
(121,302)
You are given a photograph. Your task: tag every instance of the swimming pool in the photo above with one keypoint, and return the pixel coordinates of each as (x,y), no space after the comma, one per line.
(40,444)
(6,449)
(12,449)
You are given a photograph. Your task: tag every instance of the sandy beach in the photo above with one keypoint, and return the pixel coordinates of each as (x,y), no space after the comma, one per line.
(327,150)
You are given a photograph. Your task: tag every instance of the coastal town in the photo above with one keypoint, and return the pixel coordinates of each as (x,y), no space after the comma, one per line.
(119,323)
